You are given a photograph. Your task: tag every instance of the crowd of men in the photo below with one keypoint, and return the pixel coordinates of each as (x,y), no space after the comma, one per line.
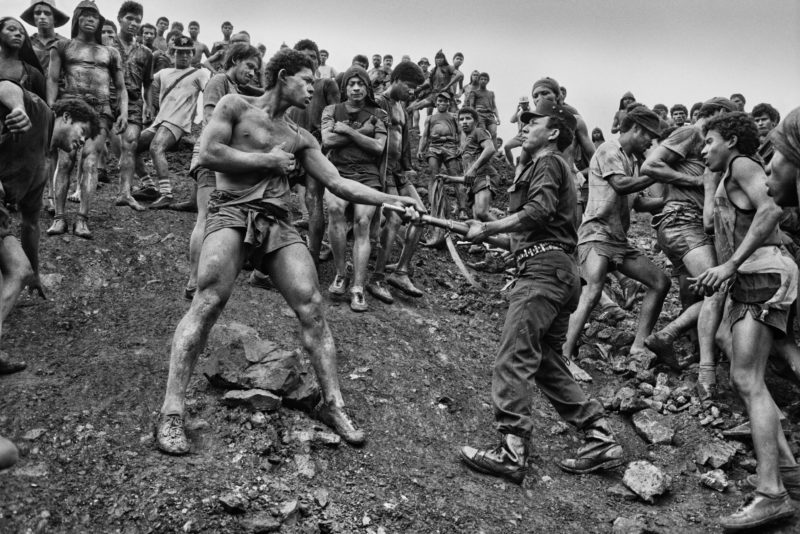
(343,142)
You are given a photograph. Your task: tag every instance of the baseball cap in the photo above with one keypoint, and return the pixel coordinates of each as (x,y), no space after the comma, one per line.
(546,108)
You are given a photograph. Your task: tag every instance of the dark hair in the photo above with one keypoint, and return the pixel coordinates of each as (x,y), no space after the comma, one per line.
(408,71)
(768,110)
(171,34)
(739,124)
(240,52)
(598,130)
(565,134)
(307,44)
(660,106)
(109,22)
(245,32)
(286,59)
(323,50)
(165,19)
(226,23)
(388,56)
(678,107)
(484,75)
(147,26)
(458,54)
(361,59)
(466,110)
(695,107)
(194,23)
(79,111)
(130,7)
(741,97)
(177,26)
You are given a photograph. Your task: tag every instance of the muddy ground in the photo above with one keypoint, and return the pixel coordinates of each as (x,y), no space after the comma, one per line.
(416,376)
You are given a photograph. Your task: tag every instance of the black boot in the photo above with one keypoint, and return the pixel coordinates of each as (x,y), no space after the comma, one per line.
(600,450)
(507,460)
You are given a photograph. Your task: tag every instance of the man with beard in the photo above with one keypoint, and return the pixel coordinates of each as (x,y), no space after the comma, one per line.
(248,219)
(89,69)
(44,15)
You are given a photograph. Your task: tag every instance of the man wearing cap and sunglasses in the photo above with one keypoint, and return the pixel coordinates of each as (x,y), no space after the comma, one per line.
(44,15)
(542,203)
(603,244)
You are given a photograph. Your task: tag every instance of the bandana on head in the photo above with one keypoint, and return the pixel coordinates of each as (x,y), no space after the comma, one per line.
(550,83)
(786,137)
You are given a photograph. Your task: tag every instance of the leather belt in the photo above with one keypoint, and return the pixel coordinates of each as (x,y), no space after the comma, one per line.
(544,246)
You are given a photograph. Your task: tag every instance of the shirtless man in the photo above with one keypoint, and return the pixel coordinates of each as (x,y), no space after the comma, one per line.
(326,93)
(251,181)
(482,100)
(160,42)
(44,15)
(682,236)
(88,68)
(406,77)
(439,144)
(137,62)
(354,134)
(200,49)
(748,244)
(177,90)
(32,133)
(603,244)
(222,46)
(215,62)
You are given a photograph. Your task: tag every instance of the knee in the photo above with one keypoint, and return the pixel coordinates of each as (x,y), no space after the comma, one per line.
(661,284)
(310,310)
(157,150)
(210,297)
(744,382)
(90,160)
(362,222)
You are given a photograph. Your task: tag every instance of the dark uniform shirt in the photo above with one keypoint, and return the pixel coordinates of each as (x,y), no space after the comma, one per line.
(138,65)
(544,196)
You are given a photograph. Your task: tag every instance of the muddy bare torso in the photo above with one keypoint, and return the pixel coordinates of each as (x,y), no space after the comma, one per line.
(88,69)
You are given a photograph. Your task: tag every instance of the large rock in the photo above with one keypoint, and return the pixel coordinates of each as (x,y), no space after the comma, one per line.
(715,453)
(624,393)
(255,400)
(227,356)
(653,427)
(279,373)
(306,395)
(646,480)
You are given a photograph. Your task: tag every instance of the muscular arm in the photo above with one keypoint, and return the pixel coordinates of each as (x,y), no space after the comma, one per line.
(629,184)
(119,81)
(215,152)
(330,139)
(584,139)
(456,77)
(488,151)
(208,62)
(658,165)
(710,184)
(53,72)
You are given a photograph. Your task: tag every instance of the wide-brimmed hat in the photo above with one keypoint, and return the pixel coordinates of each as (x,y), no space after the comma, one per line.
(59,17)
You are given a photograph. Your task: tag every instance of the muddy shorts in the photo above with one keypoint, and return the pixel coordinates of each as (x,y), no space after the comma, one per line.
(680,230)
(136,113)
(396,177)
(364,174)
(205,178)
(266,228)
(748,293)
(443,152)
(486,119)
(615,253)
(175,130)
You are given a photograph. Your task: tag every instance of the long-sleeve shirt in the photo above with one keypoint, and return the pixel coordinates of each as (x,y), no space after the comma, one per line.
(544,196)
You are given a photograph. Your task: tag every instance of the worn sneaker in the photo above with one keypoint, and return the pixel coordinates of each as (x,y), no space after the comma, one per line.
(759,509)
(357,301)
(337,287)
(791,480)
(377,289)
(145,193)
(171,434)
(162,203)
(507,460)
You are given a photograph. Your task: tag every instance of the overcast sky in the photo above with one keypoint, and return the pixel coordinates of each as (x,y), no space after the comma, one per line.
(678,51)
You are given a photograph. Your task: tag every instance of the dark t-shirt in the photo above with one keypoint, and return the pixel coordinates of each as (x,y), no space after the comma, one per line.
(544,192)
(472,148)
(138,68)
(687,142)
(23,161)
